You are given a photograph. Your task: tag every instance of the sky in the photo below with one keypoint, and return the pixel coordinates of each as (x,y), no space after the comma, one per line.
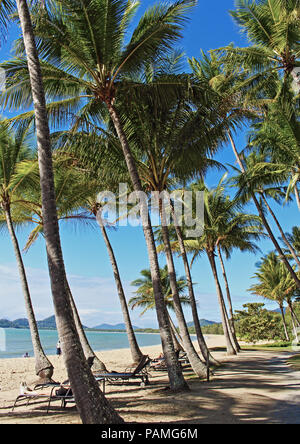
(85,255)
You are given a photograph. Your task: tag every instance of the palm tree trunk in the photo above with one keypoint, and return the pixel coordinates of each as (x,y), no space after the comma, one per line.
(295,329)
(195,361)
(297,196)
(290,304)
(264,220)
(284,238)
(177,342)
(92,405)
(134,348)
(87,349)
(231,319)
(176,378)
(43,367)
(200,338)
(230,347)
(284,322)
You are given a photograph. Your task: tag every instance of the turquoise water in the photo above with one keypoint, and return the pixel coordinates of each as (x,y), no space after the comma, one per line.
(14,343)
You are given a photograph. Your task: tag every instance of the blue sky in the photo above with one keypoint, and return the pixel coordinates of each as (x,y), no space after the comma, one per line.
(84,251)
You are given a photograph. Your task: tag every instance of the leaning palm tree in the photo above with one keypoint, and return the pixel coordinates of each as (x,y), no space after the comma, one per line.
(173,139)
(238,103)
(85,68)
(224,227)
(70,195)
(92,405)
(274,283)
(14,175)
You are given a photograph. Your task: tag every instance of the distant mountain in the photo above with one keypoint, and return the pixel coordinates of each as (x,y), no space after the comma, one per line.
(113,327)
(203,323)
(48,323)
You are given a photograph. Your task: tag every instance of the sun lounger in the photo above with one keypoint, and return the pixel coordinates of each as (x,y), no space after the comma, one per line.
(65,398)
(139,372)
(160,364)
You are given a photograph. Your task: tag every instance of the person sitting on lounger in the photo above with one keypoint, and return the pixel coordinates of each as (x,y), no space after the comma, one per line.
(157,361)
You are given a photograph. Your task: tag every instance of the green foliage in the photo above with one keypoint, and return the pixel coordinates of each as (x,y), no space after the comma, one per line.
(255,323)
(213,329)
(145,295)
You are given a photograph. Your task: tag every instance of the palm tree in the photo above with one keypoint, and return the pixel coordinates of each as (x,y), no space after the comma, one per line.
(96,210)
(274,283)
(6,8)
(85,70)
(92,405)
(70,195)
(272,29)
(239,105)
(294,239)
(145,296)
(278,138)
(224,228)
(261,179)
(178,141)
(14,151)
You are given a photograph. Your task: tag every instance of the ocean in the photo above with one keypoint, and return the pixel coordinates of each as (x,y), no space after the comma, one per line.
(14,343)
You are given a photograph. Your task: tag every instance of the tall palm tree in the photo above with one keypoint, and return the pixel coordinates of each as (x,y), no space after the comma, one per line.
(178,141)
(92,405)
(13,176)
(274,283)
(85,68)
(227,228)
(222,76)
(70,195)
(96,210)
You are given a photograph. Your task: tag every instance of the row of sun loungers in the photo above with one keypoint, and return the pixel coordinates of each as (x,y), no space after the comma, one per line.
(64,394)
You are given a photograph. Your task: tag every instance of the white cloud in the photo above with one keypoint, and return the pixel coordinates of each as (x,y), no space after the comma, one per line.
(96,297)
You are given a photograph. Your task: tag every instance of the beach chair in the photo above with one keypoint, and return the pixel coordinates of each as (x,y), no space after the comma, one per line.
(65,397)
(137,372)
(159,364)
(29,397)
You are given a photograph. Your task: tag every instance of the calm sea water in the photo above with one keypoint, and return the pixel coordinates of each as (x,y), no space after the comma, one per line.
(14,343)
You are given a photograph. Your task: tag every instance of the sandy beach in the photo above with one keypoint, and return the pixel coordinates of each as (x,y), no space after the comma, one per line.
(255,387)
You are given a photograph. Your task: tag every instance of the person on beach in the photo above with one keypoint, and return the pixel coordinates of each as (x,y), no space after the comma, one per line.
(26,355)
(58,348)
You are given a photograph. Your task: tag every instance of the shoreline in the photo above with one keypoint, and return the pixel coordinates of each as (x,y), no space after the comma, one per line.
(253,387)
(22,343)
